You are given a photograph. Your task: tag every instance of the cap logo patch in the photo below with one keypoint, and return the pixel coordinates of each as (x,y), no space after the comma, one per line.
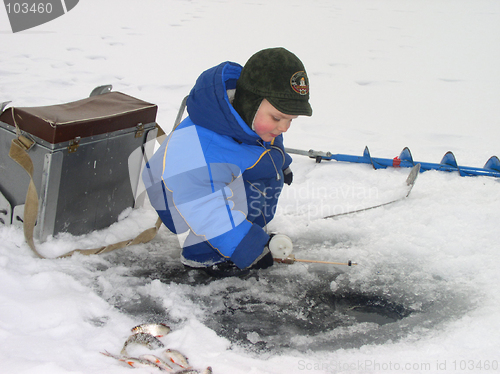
(299,83)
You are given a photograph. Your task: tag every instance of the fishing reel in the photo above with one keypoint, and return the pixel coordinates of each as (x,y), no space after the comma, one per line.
(281,246)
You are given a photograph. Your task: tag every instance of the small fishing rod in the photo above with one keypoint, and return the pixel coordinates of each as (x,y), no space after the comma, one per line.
(281,248)
(291,259)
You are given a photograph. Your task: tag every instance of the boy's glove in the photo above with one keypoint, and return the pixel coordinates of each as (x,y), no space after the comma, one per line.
(264,261)
(287,176)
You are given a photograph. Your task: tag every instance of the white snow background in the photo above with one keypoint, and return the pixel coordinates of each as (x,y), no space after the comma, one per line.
(384,74)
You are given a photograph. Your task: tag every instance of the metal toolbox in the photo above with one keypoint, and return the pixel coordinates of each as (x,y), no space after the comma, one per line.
(87,157)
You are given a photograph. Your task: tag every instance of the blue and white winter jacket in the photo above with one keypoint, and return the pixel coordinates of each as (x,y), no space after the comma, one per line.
(214,176)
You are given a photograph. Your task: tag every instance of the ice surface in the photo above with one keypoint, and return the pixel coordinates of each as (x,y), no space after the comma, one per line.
(383,74)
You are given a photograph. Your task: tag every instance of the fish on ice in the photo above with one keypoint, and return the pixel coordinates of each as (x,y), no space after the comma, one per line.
(158,361)
(177,358)
(142,338)
(155,329)
(132,361)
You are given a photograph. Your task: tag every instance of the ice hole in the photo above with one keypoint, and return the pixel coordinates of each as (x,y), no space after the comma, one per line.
(285,308)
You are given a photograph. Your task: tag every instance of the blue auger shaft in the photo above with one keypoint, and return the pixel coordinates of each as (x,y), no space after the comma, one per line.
(448,163)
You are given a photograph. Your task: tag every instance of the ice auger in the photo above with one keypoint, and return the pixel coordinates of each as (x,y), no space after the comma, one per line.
(405,159)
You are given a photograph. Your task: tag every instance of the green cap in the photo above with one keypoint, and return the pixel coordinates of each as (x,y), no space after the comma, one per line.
(277,75)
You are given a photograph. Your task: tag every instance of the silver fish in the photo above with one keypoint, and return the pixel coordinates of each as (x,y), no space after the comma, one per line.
(158,361)
(142,338)
(132,361)
(155,329)
(177,358)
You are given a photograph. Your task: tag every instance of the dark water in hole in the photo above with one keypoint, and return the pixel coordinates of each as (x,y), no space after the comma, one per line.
(269,310)
(262,324)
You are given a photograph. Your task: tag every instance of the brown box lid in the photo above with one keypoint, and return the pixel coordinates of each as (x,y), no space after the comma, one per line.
(91,116)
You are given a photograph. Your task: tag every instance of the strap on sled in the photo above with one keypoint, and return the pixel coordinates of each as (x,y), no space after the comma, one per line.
(19,153)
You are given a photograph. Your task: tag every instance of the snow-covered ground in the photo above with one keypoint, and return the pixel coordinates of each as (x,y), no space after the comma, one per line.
(383,73)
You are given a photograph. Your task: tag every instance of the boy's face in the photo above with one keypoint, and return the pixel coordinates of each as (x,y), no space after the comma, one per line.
(269,122)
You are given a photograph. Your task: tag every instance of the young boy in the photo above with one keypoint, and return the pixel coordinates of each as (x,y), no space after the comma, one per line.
(219,174)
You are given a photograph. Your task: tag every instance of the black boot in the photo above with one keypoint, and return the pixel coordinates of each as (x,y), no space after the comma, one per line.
(225,269)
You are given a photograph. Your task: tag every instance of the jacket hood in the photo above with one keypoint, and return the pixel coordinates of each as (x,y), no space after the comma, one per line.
(208,104)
